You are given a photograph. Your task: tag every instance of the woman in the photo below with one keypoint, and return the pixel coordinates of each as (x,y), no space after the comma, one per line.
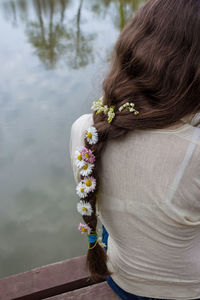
(137,163)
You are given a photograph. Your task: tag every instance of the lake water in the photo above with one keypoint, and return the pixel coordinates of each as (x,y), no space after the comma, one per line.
(54,55)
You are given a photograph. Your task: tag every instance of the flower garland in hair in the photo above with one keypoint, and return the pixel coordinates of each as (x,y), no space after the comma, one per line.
(99,107)
(84,160)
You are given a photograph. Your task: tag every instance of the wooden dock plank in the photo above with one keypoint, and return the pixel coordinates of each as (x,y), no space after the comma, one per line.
(97,291)
(46,281)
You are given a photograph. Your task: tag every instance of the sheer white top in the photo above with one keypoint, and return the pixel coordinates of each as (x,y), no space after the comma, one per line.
(149,202)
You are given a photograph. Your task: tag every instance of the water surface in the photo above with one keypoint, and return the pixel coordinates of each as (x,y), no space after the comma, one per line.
(54,55)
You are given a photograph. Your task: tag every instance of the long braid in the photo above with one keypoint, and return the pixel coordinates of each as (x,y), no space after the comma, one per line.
(96,257)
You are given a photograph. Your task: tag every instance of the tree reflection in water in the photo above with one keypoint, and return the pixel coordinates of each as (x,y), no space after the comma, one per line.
(37,110)
(123,9)
(57,37)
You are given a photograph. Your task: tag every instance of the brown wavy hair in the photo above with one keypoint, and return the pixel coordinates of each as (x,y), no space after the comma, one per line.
(156,65)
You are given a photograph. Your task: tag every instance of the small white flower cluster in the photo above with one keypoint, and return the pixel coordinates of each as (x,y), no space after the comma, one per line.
(130,106)
(111,114)
(103,245)
(99,107)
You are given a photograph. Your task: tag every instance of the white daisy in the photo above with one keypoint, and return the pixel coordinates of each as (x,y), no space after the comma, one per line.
(89,184)
(84,228)
(79,162)
(81,190)
(92,135)
(86,169)
(84,208)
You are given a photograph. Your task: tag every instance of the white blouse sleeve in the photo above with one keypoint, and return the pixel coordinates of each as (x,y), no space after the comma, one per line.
(77,139)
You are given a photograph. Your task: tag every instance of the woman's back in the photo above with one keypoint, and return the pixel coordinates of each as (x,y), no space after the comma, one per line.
(149,203)
(145,177)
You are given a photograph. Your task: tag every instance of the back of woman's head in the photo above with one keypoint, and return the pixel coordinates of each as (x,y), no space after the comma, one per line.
(156,65)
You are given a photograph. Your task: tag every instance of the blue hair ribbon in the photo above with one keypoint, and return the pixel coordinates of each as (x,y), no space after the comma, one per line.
(92,238)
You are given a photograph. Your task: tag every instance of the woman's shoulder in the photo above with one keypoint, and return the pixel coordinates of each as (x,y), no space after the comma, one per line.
(82,122)
(78,128)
